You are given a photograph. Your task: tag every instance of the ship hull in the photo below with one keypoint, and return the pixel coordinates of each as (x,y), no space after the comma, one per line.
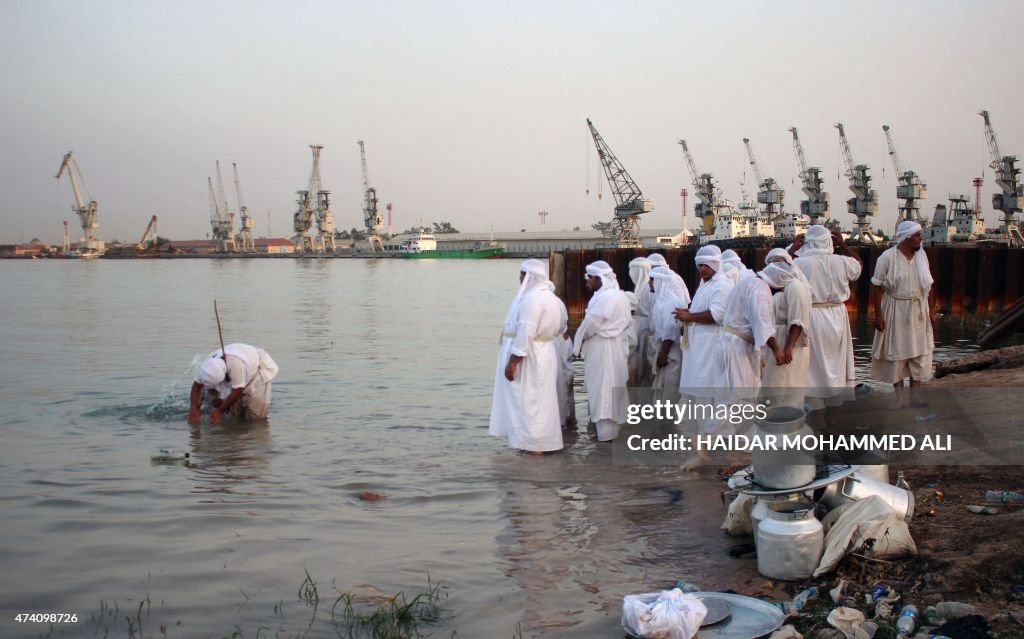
(487,253)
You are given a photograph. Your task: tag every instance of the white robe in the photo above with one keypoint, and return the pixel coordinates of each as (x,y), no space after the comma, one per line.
(526,409)
(665,327)
(830,371)
(603,341)
(697,375)
(908,328)
(792,307)
(748,323)
(563,346)
(250,368)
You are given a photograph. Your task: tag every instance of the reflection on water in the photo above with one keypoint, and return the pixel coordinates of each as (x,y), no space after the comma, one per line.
(225,458)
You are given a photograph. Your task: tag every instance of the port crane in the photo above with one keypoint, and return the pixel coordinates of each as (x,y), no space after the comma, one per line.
(769,193)
(817,206)
(708,194)
(86,212)
(245,223)
(1010,199)
(371,216)
(220,217)
(910,189)
(150,228)
(314,201)
(630,202)
(864,203)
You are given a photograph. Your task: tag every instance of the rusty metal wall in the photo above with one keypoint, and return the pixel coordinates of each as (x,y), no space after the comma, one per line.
(967,279)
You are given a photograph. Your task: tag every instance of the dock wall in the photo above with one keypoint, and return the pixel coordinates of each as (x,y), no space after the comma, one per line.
(980,280)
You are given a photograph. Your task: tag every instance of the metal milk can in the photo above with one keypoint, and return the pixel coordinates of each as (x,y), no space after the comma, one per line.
(759,511)
(790,541)
(857,487)
(782,468)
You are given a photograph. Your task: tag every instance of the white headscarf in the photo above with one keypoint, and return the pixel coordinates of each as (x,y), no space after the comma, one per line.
(734,267)
(667,281)
(639,267)
(817,241)
(710,255)
(535,275)
(924,273)
(670,293)
(656,260)
(601,269)
(212,371)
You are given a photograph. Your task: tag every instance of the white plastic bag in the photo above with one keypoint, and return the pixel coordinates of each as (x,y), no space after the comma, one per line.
(670,614)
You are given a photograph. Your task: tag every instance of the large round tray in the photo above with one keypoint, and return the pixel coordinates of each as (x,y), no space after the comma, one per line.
(749,618)
(744,481)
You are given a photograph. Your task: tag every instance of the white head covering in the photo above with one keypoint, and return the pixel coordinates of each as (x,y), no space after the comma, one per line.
(924,273)
(601,269)
(780,274)
(710,255)
(734,267)
(639,267)
(656,260)
(817,241)
(212,371)
(535,274)
(670,293)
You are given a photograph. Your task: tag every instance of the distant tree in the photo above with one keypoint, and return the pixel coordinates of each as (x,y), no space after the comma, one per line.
(356,234)
(35,241)
(444,227)
(605,228)
(342,234)
(416,230)
(575,228)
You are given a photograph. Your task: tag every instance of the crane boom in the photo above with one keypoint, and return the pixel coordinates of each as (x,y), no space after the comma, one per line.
(372,218)
(629,200)
(910,188)
(753,161)
(864,202)
(86,212)
(817,206)
(1011,199)
(694,173)
(151,227)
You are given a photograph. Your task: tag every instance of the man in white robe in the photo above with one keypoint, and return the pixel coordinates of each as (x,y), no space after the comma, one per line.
(649,345)
(830,371)
(901,297)
(784,384)
(703,326)
(639,272)
(747,327)
(566,373)
(602,341)
(633,340)
(670,293)
(525,405)
(235,380)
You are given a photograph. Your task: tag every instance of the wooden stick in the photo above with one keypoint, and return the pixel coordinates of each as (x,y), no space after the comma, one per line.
(223,353)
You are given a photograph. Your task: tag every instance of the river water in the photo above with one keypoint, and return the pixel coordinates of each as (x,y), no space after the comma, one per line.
(386,376)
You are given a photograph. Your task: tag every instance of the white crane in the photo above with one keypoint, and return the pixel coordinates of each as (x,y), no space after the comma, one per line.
(864,203)
(910,189)
(817,206)
(630,202)
(769,193)
(1010,199)
(220,218)
(90,245)
(371,216)
(314,201)
(245,222)
(708,194)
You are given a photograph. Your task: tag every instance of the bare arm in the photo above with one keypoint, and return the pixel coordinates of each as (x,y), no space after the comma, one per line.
(702,317)
(193,411)
(843,248)
(225,406)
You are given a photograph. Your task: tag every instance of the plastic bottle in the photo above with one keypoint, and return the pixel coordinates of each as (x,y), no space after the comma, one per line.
(901,482)
(686,586)
(169,454)
(1004,497)
(800,601)
(908,619)
(983,510)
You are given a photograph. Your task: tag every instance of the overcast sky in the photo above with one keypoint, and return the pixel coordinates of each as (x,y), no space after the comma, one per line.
(475,112)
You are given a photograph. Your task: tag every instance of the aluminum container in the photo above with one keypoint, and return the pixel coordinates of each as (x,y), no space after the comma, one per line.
(790,541)
(781,469)
(857,487)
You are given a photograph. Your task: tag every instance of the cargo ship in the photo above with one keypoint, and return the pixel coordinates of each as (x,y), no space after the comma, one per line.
(424,247)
